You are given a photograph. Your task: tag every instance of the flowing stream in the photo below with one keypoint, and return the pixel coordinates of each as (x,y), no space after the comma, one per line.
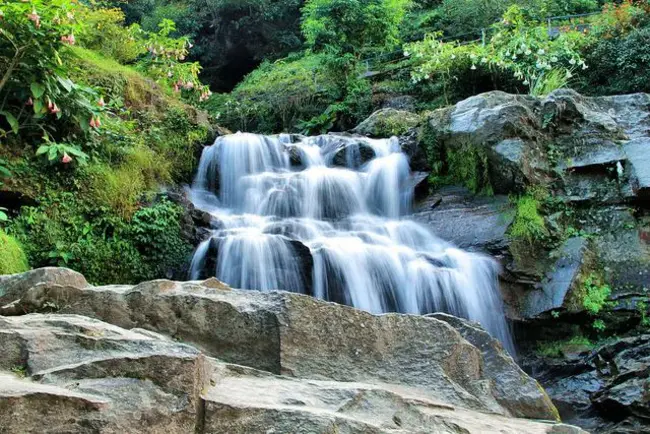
(325,216)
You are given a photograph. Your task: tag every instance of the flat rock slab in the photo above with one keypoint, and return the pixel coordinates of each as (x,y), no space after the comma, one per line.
(471,222)
(299,336)
(638,155)
(559,281)
(84,375)
(243,400)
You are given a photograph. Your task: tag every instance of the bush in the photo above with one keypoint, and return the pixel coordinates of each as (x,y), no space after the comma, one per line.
(350,26)
(12,257)
(622,64)
(66,230)
(277,96)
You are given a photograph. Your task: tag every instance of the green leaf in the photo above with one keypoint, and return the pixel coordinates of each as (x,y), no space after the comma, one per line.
(13,122)
(52,153)
(38,106)
(65,82)
(42,149)
(37,89)
(3,217)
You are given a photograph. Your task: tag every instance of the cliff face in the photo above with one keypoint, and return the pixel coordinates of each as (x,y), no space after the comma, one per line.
(202,357)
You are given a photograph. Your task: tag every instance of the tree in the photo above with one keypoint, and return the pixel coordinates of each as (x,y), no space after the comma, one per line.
(351,26)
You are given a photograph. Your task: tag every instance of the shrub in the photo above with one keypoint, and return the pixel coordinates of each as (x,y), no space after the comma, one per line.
(595,294)
(277,96)
(12,257)
(105,32)
(350,26)
(623,64)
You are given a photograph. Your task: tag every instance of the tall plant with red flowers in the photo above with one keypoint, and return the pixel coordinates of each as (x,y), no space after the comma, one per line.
(37,98)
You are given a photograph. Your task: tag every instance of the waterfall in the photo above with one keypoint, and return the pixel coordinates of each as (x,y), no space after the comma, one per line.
(326,216)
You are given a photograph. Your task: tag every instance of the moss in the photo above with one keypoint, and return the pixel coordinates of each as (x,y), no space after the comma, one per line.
(558,349)
(12,256)
(468,165)
(387,123)
(529,225)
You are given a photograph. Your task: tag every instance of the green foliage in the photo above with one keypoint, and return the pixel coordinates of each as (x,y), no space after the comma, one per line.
(642,308)
(61,152)
(465,16)
(37,96)
(105,31)
(529,225)
(72,231)
(558,349)
(549,81)
(595,294)
(304,93)
(350,26)
(12,257)
(232,37)
(468,165)
(519,46)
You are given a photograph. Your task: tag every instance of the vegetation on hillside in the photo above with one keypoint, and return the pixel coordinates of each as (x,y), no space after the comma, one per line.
(95,118)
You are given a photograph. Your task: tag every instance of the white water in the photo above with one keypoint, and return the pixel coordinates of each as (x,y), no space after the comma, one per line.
(351,219)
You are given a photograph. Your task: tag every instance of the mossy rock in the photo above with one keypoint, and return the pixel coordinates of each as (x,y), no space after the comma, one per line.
(12,257)
(388,122)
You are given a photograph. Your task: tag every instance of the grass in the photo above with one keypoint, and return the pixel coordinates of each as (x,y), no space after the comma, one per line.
(12,257)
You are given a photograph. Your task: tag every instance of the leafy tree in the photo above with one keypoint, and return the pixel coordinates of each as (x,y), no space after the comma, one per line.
(351,26)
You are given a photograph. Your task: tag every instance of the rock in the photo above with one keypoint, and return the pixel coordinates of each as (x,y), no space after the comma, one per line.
(400,102)
(559,281)
(244,400)
(13,287)
(471,222)
(605,390)
(89,376)
(388,122)
(298,336)
(501,369)
(353,155)
(638,155)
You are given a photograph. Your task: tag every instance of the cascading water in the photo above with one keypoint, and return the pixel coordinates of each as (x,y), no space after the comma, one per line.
(324,216)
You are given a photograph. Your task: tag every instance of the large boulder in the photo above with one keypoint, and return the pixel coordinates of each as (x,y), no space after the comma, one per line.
(580,141)
(12,287)
(89,376)
(299,336)
(244,400)
(68,373)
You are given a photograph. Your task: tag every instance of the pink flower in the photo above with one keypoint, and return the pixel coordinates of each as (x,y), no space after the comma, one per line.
(189,85)
(50,105)
(35,18)
(68,39)
(54,110)
(92,122)
(66,158)
(30,102)
(176,88)
(101,102)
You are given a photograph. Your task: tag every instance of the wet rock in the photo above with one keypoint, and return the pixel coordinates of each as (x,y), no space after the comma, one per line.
(353,155)
(88,376)
(400,102)
(471,222)
(638,155)
(296,335)
(559,281)
(604,390)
